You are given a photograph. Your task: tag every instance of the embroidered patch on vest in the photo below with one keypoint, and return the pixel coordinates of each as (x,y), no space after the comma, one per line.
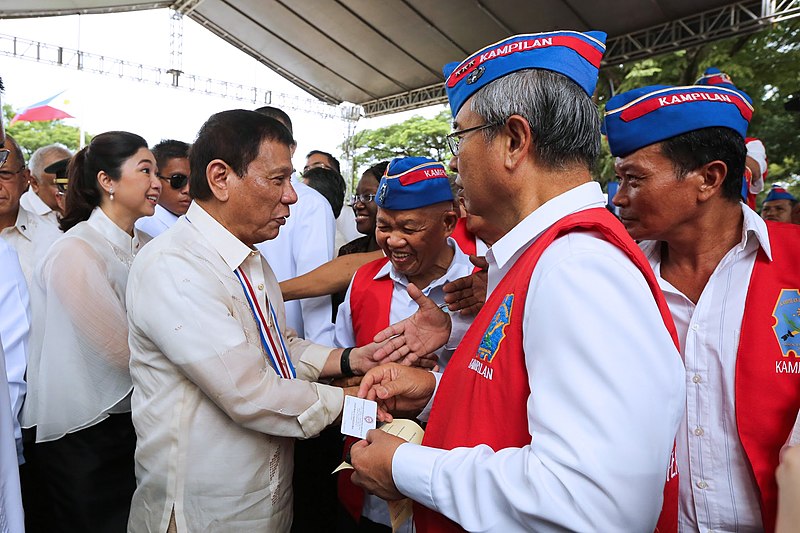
(787,322)
(496,331)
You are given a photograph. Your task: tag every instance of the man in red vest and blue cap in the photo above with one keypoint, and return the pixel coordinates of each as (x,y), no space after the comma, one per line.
(779,205)
(545,419)
(414,224)
(731,282)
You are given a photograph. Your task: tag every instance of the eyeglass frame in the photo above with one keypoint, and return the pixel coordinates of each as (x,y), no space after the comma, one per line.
(355,198)
(10,174)
(454,139)
(171,179)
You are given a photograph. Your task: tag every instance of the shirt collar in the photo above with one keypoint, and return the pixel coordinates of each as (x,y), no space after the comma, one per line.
(109,229)
(165,216)
(582,197)
(233,251)
(460,266)
(753,227)
(23,223)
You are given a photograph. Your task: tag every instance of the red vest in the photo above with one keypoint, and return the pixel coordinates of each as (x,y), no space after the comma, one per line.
(465,239)
(370,304)
(494,344)
(768,361)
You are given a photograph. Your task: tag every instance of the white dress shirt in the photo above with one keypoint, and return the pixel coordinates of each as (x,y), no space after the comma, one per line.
(607,397)
(156,224)
(31,237)
(31,202)
(718,492)
(15,324)
(215,425)
(303,244)
(12,518)
(78,357)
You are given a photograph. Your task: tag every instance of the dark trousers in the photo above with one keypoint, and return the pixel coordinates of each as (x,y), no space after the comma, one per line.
(90,477)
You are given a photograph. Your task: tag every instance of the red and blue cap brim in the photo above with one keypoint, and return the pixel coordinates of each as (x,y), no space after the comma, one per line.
(574,54)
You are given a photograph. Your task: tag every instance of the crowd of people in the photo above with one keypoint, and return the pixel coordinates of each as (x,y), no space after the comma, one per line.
(178,338)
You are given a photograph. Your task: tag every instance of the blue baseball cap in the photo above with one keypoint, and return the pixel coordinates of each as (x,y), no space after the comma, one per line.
(648,115)
(574,54)
(413,182)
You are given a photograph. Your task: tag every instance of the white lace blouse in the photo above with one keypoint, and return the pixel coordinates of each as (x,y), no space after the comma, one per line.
(78,355)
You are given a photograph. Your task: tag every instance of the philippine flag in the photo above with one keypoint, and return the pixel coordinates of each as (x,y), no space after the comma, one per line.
(45,110)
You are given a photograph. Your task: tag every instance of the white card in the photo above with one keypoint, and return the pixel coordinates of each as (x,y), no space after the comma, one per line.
(358,416)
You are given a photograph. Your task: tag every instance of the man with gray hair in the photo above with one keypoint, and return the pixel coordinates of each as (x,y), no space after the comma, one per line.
(42,196)
(548,417)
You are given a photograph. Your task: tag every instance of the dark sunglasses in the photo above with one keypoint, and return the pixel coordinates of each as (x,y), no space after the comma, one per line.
(176,181)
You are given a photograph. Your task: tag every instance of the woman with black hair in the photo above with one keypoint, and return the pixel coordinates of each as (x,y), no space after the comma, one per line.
(79,384)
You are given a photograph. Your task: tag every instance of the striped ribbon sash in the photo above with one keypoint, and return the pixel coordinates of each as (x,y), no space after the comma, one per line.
(273,343)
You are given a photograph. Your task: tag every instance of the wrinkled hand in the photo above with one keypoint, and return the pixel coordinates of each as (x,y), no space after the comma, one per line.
(468,294)
(372,460)
(399,390)
(417,336)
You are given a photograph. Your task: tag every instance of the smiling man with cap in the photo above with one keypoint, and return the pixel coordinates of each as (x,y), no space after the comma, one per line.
(542,420)
(731,282)
(414,224)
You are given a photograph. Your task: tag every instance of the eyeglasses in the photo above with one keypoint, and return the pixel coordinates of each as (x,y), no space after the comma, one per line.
(363,198)
(454,139)
(176,181)
(4,155)
(7,175)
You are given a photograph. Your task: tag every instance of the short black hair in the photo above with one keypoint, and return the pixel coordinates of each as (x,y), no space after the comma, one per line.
(377,170)
(333,160)
(278,114)
(235,137)
(692,150)
(329,184)
(170,149)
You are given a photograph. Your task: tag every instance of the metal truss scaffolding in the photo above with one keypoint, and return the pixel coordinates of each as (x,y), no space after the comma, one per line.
(734,19)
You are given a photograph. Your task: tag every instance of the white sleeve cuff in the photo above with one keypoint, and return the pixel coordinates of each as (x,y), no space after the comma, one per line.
(426,412)
(412,471)
(459,324)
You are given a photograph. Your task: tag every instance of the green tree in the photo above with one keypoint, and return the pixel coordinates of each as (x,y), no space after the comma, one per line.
(765,65)
(33,135)
(417,136)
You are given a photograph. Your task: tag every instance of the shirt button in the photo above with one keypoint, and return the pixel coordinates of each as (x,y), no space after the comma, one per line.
(696,378)
(261,286)
(254,253)
(702,485)
(699,431)
(695,327)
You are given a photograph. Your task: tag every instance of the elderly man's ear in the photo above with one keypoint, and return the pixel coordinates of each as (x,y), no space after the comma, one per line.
(217,173)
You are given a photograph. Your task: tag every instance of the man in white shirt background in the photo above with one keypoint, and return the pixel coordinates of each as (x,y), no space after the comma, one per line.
(42,196)
(172,158)
(304,243)
(28,233)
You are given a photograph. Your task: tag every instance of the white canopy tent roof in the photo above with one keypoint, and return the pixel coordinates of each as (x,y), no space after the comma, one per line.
(387,55)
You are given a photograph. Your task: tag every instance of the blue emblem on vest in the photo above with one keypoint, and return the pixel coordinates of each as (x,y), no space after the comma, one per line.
(787,322)
(496,331)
